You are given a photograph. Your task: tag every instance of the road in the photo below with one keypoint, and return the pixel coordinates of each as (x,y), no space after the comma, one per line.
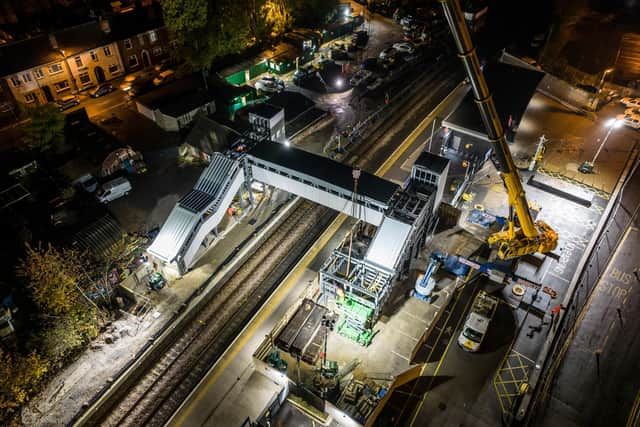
(596,382)
(223,379)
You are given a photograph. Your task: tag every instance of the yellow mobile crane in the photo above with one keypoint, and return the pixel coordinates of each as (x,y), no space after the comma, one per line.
(529,236)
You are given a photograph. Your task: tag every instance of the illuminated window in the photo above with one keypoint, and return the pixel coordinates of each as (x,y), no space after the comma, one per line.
(156,51)
(153,37)
(78,61)
(55,69)
(38,73)
(107,51)
(94,55)
(26,77)
(63,85)
(84,78)
(114,68)
(127,44)
(15,80)
(30,97)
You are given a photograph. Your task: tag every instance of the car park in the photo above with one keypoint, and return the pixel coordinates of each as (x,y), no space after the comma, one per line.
(113,190)
(388,53)
(67,102)
(164,78)
(270,84)
(404,47)
(359,78)
(102,90)
(631,102)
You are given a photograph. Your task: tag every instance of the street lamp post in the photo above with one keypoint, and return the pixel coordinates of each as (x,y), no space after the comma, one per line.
(73,80)
(599,88)
(587,167)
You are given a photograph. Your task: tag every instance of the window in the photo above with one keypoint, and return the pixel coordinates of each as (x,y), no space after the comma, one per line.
(84,78)
(63,85)
(114,68)
(15,80)
(132,60)
(94,55)
(153,37)
(30,97)
(26,77)
(55,69)
(107,50)
(127,44)
(78,61)
(38,73)
(156,51)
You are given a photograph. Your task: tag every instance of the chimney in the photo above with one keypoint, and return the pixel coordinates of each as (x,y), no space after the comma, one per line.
(105,26)
(52,41)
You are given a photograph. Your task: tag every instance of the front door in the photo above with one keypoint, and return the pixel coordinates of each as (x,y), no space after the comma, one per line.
(47,93)
(145,58)
(99,72)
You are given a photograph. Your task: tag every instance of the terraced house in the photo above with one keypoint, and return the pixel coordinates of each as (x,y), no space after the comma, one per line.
(46,68)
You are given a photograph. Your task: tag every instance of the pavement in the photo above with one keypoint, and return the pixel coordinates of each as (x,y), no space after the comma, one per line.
(595,379)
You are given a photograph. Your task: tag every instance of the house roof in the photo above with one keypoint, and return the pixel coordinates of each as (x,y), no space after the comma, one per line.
(177,98)
(137,21)
(293,103)
(325,169)
(30,53)
(264,110)
(512,89)
(432,162)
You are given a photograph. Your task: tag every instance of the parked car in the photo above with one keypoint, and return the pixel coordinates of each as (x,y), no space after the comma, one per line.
(164,77)
(102,90)
(359,77)
(140,88)
(165,64)
(631,102)
(630,120)
(477,323)
(302,74)
(360,39)
(375,84)
(404,47)
(406,20)
(87,182)
(632,111)
(388,53)
(340,56)
(270,84)
(113,190)
(67,102)
(131,79)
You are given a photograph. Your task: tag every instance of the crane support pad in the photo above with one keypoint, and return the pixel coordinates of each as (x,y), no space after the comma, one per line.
(562,189)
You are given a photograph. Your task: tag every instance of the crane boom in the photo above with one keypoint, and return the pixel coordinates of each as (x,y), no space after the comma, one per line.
(530,236)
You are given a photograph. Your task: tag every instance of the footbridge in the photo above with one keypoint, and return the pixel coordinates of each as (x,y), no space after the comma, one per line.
(194,219)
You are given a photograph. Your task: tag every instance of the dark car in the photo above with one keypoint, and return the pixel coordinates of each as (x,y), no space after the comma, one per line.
(67,102)
(370,64)
(102,90)
(140,88)
(303,74)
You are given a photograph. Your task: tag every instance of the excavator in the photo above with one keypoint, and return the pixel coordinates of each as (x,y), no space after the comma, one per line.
(523,235)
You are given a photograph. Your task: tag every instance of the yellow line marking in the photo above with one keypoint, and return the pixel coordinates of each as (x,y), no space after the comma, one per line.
(444,356)
(288,282)
(633,414)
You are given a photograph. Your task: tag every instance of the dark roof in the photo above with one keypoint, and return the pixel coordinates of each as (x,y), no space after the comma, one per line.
(29,53)
(177,98)
(25,54)
(325,169)
(264,110)
(432,162)
(137,21)
(512,89)
(293,103)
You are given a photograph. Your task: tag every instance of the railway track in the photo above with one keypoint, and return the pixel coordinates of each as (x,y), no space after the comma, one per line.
(158,393)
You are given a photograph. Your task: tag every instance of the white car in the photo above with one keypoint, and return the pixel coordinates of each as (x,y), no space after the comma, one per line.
(387,53)
(375,84)
(360,77)
(631,102)
(404,47)
(270,84)
(631,120)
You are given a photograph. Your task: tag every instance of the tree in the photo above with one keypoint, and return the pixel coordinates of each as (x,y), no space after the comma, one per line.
(19,376)
(53,277)
(203,30)
(277,16)
(66,334)
(45,129)
(312,13)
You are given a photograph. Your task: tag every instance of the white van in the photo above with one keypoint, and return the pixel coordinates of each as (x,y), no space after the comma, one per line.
(113,189)
(475,328)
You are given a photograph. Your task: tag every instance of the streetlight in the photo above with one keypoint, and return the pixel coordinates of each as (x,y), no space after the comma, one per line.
(607,71)
(66,63)
(587,167)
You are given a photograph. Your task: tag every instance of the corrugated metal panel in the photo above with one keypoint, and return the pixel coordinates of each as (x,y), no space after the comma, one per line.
(388,244)
(174,233)
(215,174)
(196,201)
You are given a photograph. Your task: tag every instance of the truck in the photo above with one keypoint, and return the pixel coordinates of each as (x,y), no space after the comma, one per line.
(477,323)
